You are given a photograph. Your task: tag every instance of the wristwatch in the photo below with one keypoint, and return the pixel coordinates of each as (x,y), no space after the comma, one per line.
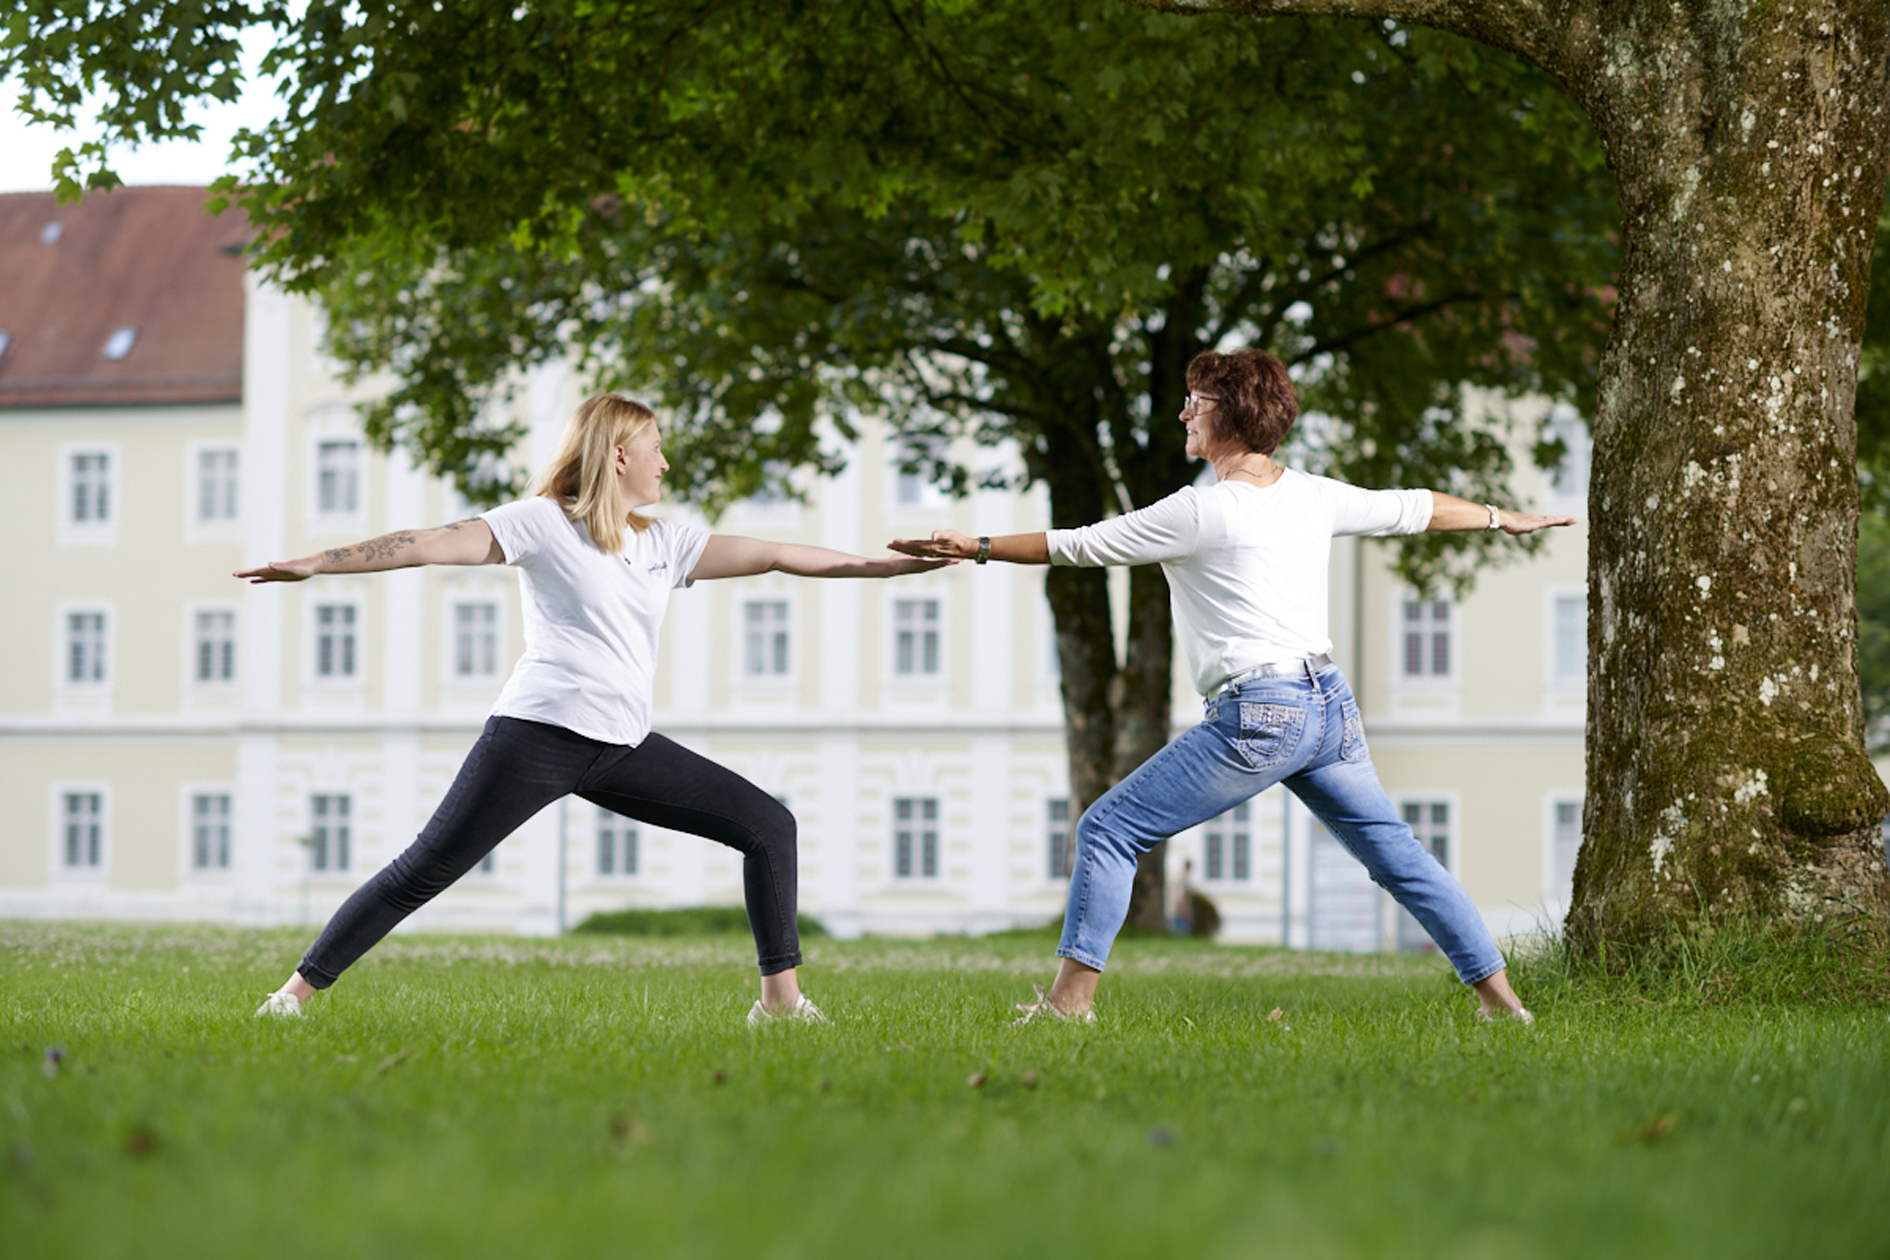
(1494,523)
(984,549)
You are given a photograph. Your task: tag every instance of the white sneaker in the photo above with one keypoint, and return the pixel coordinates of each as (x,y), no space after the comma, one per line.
(1520,1015)
(280,1006)
(1028,1011)
(804,1011)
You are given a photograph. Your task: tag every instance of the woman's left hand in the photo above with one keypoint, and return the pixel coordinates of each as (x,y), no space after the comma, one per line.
(944,544)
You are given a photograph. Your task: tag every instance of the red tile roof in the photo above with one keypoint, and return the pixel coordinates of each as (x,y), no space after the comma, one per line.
(148,259)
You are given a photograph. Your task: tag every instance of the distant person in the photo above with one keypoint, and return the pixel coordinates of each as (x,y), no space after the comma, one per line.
(574,719)
(1181,902)
(1246,560)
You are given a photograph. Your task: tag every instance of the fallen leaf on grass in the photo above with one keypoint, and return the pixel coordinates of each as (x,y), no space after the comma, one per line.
(718,1078)
(140,1143)
(627,1132)
(395,1060)
(1276,1015)
(1653,1130)
(1029,1079)
(976,1080)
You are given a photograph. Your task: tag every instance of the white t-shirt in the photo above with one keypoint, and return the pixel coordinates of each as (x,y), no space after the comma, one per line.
(1246,565)
(591,618)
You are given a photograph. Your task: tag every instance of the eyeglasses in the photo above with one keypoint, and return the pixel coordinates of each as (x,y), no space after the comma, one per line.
(1193,401)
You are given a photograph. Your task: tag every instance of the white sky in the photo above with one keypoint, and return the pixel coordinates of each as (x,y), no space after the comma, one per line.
(27,150)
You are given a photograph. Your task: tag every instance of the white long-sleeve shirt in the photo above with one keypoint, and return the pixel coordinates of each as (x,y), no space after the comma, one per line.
(1247,565)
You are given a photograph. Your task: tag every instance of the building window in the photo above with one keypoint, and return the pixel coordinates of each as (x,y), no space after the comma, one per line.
(1571,638)
(83,831)
(210,831)
(1565,843)
(1229,845)
(476,640)
(616,844)
(85,648)
(216,646)
(338,478)
(1062,853)
(915,837)
(91,488)
(331,832)
(216,485)
(765,638)
(1568,480)
(915,637)
(334,641)
(1426,631)
(1430,823)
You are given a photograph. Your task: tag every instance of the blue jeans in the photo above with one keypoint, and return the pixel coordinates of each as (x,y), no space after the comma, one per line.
(1301,729)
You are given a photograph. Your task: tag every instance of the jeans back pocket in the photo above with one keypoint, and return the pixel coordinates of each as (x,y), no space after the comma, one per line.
(1269,733)
(1353,747)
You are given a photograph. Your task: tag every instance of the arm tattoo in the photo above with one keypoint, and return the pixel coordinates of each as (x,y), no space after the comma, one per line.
(387,546)
(337,555)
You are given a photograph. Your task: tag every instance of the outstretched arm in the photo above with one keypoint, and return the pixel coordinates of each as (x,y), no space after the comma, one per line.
(1449,514)
(952,545)
(731,555)
(462,542)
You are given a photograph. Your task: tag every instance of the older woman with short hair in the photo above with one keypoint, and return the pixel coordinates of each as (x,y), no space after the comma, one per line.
(1246,560)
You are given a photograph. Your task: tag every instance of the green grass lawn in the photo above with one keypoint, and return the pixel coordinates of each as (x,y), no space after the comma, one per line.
(598,1096)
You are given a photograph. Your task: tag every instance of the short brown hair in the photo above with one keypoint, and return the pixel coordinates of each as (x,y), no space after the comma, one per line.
(1256,402)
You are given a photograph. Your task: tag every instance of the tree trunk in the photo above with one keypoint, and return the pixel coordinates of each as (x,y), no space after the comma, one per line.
(1726,769)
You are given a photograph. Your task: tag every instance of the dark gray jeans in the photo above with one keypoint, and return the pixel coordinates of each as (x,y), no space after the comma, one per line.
(519,767)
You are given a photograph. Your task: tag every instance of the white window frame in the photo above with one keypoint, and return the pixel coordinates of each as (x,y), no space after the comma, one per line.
(91,533)
(336,682)
(1552,900)
(63,682)
(56,831)
(1560,692)
(1057,829)
(1565,500)
(1233,827)
(217,529)
(620,829)
(1449,798)
(193,647)
(917,874)
(918,677)
(351,846)
(1428,630)
(786,628)
(335,428)
(187,796)
(926,500)
(456,600)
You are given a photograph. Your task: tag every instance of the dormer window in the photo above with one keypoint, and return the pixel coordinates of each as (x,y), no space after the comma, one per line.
(50,232)
(118,345)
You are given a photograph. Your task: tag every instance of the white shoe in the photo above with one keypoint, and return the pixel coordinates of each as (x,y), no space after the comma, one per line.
(1520,1015)
(1044,1006)
(803,1010)
(280,1006)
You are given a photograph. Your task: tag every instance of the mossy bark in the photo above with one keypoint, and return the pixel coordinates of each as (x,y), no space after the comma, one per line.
(1750,141)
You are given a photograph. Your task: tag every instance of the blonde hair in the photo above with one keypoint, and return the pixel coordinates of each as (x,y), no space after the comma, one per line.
(581,477)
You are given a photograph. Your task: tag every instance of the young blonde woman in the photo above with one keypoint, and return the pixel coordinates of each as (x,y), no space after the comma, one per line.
(574,718)
(1246,564)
